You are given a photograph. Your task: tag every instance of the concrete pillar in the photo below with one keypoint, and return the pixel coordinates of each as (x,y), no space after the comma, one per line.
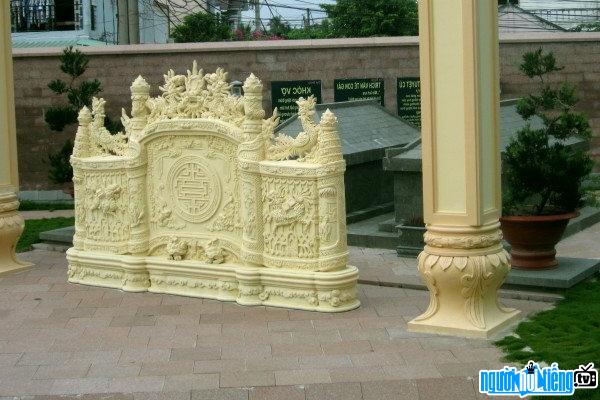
(86,10)
(134,22)
(11,222)
(123,22)
(463,262)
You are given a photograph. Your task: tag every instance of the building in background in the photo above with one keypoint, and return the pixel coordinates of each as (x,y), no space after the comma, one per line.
(514,19)
(50,23)
(566,13)
(59,23)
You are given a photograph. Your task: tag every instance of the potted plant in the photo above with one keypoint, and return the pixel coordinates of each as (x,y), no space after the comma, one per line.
(543,172)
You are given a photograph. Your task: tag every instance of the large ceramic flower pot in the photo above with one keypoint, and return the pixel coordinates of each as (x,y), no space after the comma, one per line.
(533,238)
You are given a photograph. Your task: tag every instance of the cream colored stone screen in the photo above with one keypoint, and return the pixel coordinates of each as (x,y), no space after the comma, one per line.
(198,197)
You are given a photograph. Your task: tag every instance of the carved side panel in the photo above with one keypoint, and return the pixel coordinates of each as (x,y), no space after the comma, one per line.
(138,213)
(80,206)
(290,220)
(252,212)
(106,202)
(193,189)
(333,248)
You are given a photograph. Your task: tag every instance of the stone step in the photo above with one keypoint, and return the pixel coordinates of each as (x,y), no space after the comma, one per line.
(367,234)
(377,240)
(380,231)
(62,248)
(371,212)
(389,225)
(63,236)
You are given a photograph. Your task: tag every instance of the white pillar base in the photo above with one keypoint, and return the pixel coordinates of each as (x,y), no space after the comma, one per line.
(11,227)
(463,270)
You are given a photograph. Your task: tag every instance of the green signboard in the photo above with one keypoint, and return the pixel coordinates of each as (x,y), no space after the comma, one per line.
(284,95)
(408,95)
(358,89)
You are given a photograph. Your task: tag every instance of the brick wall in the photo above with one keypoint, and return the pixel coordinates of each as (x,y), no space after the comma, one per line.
(389,58)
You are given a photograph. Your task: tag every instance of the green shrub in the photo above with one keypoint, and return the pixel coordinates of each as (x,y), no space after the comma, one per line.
(60,116)
(60,170)
(543,173)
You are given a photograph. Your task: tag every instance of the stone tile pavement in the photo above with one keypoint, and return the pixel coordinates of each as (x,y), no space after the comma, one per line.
(59,339)
(585,244)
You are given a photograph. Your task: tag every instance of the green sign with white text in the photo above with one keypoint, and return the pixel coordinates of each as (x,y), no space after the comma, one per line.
(359,89)
(408,94)
(284,95)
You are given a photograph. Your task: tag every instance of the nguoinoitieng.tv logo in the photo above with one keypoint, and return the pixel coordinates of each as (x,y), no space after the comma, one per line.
(534,380)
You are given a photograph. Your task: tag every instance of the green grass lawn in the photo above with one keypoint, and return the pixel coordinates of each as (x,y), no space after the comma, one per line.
(33,228)
(28,205)
(569,334)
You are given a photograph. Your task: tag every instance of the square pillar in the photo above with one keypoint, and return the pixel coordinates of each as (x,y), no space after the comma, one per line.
(463,262)
(11,222)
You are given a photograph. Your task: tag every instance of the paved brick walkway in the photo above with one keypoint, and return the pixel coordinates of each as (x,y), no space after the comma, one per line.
(63,339)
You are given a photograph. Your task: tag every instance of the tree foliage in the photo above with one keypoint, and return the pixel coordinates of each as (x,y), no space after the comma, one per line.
(78,93)
(317,31)
(278,27)
(202,27)
(366,18)
(60,170)
(543,173)
(73,63)
(587,27)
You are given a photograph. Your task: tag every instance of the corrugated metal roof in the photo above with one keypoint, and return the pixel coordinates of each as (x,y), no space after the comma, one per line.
(512,19)
(53,39)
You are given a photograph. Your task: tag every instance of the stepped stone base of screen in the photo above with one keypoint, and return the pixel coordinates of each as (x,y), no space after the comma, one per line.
(313,291)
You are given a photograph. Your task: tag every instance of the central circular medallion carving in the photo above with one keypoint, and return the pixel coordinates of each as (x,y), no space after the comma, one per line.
(195,189)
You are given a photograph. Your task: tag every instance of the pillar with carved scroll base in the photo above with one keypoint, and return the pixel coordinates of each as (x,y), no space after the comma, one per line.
(140,93)
(11,222)
(136,174)
(80,150)
(251,151)
(463,262)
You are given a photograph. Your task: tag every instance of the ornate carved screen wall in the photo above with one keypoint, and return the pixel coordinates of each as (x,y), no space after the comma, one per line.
(199,198)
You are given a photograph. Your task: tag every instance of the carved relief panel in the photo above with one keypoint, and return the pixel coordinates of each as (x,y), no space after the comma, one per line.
(105,210)
(193,188)
(290,220)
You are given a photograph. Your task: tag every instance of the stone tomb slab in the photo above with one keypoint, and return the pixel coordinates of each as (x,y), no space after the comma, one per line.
(569,272)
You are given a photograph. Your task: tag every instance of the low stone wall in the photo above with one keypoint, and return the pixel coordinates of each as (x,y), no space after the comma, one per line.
(388,58)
